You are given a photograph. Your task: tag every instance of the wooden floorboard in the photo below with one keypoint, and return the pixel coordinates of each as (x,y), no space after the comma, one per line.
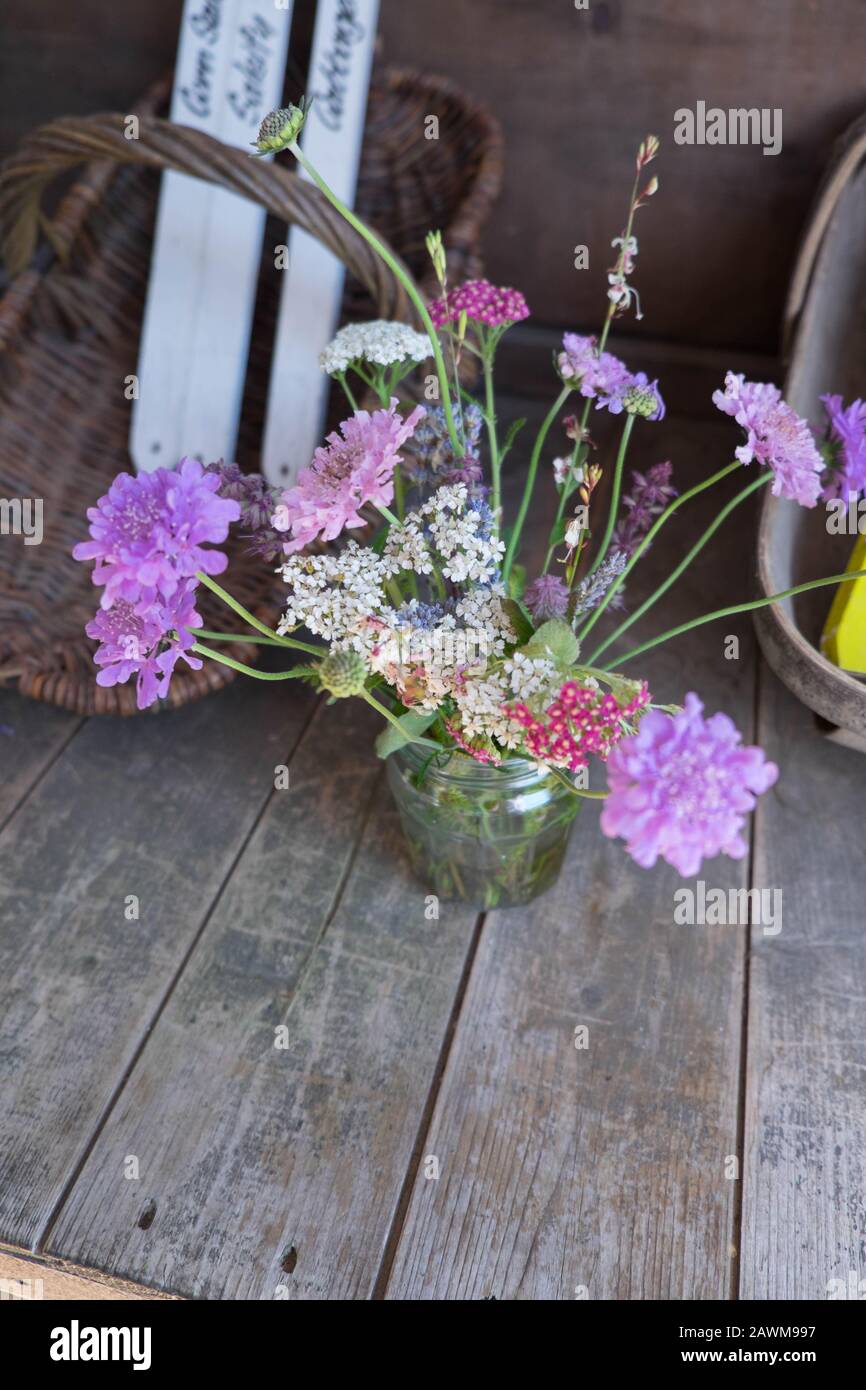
(270,1172)
(32,735)
(804,1178)
(154,809)
(601,1173)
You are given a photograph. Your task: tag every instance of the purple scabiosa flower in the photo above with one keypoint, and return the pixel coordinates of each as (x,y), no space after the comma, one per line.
(495,306)
(598,374)
(775,435)
(146,643)
(848,448)
(650,494)
(681,787)
(356,467)
(149,530)
(546,597)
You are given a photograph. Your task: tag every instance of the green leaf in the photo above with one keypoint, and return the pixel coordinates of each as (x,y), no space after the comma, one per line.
(519,618)
(556,641)
(413,723)
(513,431)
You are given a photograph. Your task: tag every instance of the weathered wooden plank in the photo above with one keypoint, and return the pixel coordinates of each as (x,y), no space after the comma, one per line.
(275,1172)
(31,737)
(804,1171)
(154,810)
(600,1172)
(22,1277)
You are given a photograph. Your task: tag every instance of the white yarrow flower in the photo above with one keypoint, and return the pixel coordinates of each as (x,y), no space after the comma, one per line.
(378,342)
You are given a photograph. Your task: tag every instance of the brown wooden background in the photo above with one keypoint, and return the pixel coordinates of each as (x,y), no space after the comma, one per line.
(575,91)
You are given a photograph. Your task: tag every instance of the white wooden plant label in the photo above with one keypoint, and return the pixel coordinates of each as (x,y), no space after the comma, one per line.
(207,245)
(313,282)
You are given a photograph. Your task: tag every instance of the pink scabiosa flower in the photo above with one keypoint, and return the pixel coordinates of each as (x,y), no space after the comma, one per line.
(775,435)
(482,302)
(356,467)
(149,531)
(146,643)
(847,447)
(547,597)
(681,787)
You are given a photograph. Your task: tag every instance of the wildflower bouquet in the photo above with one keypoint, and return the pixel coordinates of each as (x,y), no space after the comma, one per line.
(491,681)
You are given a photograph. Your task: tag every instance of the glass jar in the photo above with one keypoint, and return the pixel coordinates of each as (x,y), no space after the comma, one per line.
(492,836)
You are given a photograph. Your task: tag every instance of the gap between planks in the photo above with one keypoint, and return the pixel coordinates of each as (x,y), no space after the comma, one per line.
(44,1235)
(383,1276)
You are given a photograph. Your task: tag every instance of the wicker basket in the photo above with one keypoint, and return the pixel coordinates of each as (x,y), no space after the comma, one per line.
(71,316)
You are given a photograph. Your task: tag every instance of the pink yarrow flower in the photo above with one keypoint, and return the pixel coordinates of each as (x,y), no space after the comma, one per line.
(582,720)
(775,435)
(356,467)
(149,531)
(481,302)
(681,787)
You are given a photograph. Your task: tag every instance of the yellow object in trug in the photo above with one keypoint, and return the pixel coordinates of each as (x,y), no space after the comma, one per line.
(843,640)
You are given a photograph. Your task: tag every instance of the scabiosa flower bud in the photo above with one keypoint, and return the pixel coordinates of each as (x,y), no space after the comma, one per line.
(342,673)
(644,400)
(280,128)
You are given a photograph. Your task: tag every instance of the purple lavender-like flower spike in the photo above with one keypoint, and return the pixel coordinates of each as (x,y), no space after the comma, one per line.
(681,788)
(591,590)
(258,501)
(650,494)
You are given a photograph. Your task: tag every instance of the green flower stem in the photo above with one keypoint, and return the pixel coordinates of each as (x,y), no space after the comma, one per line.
(737,608)
(683,565)
(565,492)
(614,495)
(247,670)
(490,420)
(578,791)
(530,480)
(395,267)
(392,719)
(341,377)
(399,494)
(649,537)
(255,622)
(389,516)
(235,637)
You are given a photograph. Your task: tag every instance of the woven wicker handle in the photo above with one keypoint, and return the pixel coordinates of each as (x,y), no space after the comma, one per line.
(62,145)
(849,150)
